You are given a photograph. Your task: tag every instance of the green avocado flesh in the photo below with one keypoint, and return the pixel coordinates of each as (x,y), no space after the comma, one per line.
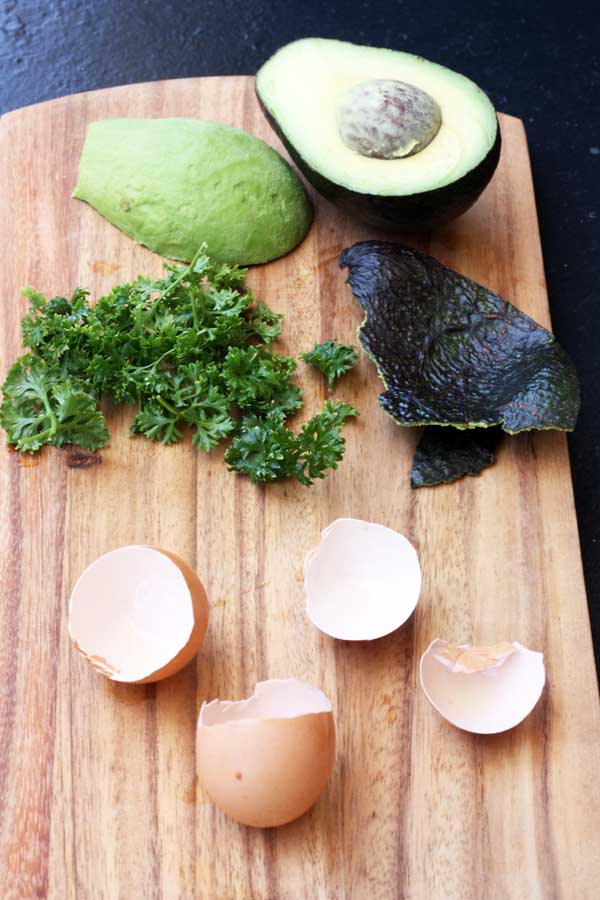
(172,184)
(447,454)
(302,86)
(451,352)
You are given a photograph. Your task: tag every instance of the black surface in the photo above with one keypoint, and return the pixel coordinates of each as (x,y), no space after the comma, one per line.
(538,61)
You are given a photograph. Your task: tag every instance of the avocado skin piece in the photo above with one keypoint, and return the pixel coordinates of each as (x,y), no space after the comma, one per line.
(172,184)
(452,352)
(428,209)
(446,454)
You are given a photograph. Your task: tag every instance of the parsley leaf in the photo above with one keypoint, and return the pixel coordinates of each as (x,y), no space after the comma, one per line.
(320,446)
(266,450)
(332,359)
(192,350)
(41,407)
(262,449)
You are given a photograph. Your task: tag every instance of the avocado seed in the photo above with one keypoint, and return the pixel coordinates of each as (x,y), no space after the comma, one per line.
(387,119)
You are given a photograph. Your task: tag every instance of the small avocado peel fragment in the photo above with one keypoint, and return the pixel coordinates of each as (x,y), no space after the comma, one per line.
(447,454)
(172,184)
(451,352)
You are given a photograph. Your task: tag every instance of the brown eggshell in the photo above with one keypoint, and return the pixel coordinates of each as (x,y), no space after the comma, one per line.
(266,772)
(196,638)
(199,604)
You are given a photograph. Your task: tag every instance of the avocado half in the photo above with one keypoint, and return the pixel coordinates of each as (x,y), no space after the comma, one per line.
(310,87)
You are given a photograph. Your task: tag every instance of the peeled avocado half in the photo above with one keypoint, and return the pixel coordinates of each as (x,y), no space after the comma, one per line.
(173,184)
(391,138)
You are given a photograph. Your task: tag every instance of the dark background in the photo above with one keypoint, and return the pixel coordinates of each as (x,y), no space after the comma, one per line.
(540,62)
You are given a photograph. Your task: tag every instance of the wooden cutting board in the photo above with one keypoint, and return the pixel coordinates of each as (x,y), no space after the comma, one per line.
(97,780)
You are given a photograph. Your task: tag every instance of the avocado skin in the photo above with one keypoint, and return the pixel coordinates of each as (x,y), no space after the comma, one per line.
(446,454)
(452,352)
(428,209)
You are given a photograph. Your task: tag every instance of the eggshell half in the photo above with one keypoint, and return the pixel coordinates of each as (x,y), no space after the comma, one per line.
(482,689)
(266,760)
(138,614)
(362,582)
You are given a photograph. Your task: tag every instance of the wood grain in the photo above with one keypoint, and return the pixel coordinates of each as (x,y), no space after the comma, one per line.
(97,781)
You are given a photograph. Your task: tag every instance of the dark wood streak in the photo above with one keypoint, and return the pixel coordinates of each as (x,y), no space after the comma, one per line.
(11,638)
(48,687)
(544,708)
(151,735)
(194,665)
(466,489)
(73,768)
(238,524)
(270,835)
(527,486)
(404,730)
(82,459)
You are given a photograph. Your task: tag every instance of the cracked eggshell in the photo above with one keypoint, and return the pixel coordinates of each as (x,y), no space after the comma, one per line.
(138,614)
(482,689)
(266,760)
(362,581)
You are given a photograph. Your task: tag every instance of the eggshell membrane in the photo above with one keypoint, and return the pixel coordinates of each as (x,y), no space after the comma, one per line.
(138,614)
(266,760)
(484,690)
(362,581)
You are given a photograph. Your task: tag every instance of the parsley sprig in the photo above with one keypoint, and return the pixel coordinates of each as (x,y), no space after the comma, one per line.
(192,350)
(332,359)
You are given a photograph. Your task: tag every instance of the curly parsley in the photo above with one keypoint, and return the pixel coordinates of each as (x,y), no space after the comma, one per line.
(332,359)
(192,350)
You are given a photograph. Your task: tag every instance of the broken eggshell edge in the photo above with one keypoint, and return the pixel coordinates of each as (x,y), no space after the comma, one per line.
(405,609)
(438,668)
(265,761)
(191,642)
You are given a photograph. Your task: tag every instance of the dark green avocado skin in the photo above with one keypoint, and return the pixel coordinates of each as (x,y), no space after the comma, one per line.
(429,209)
(452,352)
(446,454)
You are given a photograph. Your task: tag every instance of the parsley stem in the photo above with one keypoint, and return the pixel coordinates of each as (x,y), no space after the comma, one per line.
(48,408)
(47,432)
(181,277)
(168,407)
(38,436)
(184,273)
(154,363)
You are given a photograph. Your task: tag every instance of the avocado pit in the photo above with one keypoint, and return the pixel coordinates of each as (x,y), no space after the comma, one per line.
(387,119)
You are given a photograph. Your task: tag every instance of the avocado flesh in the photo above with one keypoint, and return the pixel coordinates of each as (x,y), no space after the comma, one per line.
(300,86)
(172,184)
(299,89)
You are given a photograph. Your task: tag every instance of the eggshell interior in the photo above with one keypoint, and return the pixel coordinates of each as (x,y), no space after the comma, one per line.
(266,760)
(279,698)
(483,690)
(362,582)
(138,614)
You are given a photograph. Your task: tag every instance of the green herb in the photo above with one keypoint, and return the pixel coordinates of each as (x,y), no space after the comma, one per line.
(192,350)
(331,359)
(41,406)
(266,450)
